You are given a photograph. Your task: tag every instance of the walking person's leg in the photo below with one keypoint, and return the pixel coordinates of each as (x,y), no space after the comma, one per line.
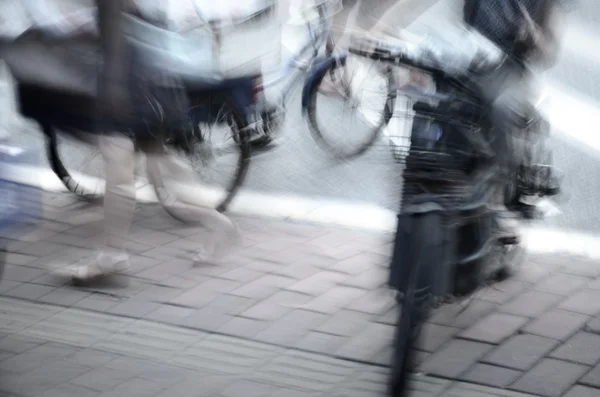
(177,199)
(118,153)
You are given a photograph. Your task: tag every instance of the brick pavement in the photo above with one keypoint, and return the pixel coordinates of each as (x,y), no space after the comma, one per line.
(308,291)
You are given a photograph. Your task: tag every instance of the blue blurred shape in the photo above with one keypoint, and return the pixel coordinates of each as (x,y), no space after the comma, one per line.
(20,203)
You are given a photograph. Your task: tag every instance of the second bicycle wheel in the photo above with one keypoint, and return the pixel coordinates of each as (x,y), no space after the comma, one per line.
(417,268)
(349,104)
(207,166)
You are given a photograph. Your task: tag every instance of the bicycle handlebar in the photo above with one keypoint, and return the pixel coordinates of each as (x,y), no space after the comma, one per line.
(424,58)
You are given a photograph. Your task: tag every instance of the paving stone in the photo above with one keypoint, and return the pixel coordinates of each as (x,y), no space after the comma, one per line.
(582,348)
(242,275)
(531,304)
(561,284)
(582,391)
(19,259)
(503,291)
(556,324)
(92,357)
(25,362)
(134,307)
(336,298)
(167,374)
(521,351)
(101,379)
(462,315)
(97,302)
(138,387)
(64,296)
(200,386)
(207,319)
(494,328)
(365,345)
(29,291)
(231,304)
(153,237)
(21,273)
(318,284)
(584,302)
(52,280)
(56,373)
(321,343)
(7,285)
(297,271)
(291,328)
(463,389)
(53,349)
(40,249)
(68,390)
(19,343)
(592,378)
(196,297)
(276,306)
(243,327)
(434,336)
(255,290)
(594,284)
(581,266)
(371,279)
(158,293)
(550,378)
(170,314)
(491,375)
(345,323)
(455,358)
(374,302)
(245,388)
(359,263)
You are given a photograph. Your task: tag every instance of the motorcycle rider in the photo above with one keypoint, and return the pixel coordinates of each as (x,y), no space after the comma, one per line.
(528,32)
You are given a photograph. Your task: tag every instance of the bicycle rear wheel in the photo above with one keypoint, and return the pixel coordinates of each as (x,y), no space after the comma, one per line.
(350,102)
(216,153)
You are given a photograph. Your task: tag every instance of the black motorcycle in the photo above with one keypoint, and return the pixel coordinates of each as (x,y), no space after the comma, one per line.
(447,239)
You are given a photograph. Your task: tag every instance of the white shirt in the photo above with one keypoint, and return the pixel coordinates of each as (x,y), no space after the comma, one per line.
(64,17)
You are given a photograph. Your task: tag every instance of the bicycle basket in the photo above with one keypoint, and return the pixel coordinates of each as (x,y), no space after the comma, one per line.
(444,135)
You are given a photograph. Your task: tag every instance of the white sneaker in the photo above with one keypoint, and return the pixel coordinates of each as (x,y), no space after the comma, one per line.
(215,251)
(103,265)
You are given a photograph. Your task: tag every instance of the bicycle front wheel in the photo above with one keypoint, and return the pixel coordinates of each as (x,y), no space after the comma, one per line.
(349,104)
(415,289)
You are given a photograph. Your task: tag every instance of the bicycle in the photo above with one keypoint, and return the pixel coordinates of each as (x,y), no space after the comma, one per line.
(216,144)
(447,243)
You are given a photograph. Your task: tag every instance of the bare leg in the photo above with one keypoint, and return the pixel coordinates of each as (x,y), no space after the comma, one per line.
(183,204)
(119,207)
(119,201)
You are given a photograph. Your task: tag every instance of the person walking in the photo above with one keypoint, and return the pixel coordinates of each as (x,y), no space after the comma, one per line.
(117,115)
